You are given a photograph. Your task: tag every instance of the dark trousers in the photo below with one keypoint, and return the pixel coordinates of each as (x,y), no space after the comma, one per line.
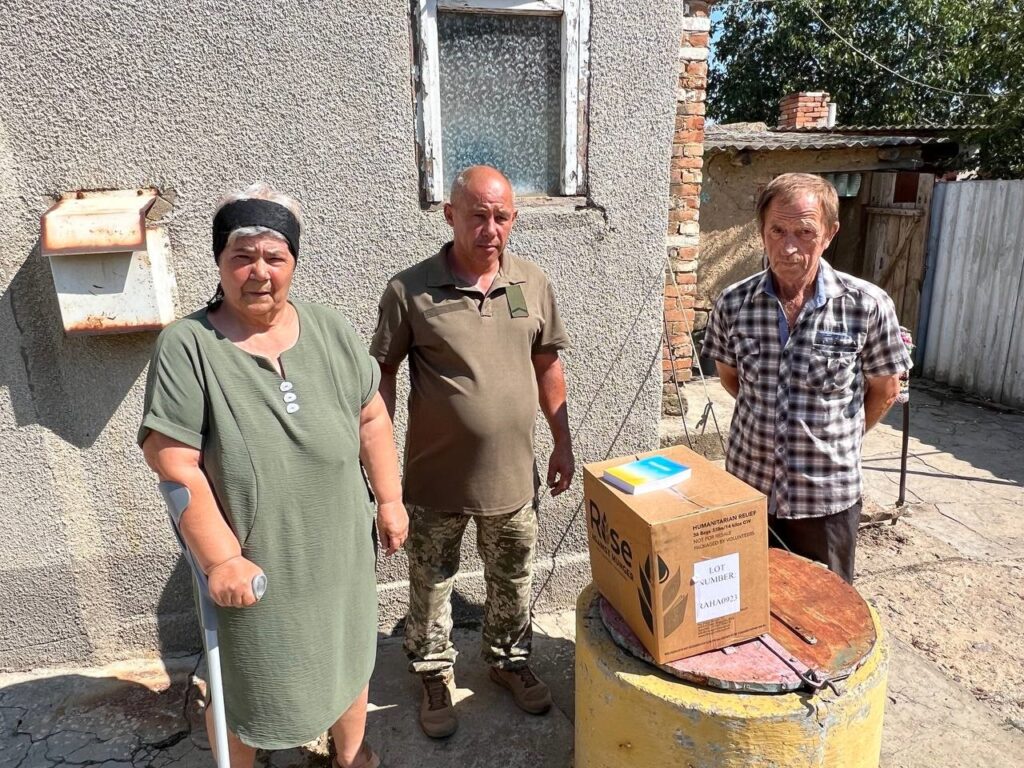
(831,539)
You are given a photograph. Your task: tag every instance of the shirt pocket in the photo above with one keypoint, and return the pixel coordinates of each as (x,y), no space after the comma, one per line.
(748,359)
(831,372)
(460,305)
(446,326)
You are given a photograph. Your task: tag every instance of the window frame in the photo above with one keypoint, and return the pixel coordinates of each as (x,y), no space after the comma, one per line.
(575,32)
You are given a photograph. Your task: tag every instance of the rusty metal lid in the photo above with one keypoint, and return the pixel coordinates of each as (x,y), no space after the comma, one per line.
(111,221)
(821,632)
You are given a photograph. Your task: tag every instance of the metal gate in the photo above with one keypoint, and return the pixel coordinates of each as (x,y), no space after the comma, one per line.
(972,334)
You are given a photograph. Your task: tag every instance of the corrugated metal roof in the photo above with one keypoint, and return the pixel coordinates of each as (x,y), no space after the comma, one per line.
(758,137)
(896,129)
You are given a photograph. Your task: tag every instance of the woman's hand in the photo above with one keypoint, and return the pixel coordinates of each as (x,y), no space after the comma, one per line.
(392,526)
(230,582)
(377,453)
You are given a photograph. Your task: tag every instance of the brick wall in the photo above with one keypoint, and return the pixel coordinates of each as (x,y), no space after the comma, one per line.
(684,199)
(808,109)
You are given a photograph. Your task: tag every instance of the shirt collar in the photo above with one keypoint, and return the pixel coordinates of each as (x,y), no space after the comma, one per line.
(826,285)
(829,283)
(439,271)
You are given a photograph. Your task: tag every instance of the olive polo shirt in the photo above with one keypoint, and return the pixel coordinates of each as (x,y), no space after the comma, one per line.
(473,401)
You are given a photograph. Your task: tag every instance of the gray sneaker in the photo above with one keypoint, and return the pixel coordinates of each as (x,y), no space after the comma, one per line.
(437,713)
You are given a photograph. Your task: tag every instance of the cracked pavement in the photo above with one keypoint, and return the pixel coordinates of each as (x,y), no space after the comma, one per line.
(947,579)
(123,715)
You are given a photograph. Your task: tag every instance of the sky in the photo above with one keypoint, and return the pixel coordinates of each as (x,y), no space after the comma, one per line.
(716,25)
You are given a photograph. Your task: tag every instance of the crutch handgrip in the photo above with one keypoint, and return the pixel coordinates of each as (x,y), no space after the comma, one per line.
(259,585)
(177,498)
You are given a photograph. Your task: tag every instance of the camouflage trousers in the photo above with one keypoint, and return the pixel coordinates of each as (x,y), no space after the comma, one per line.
(506,544)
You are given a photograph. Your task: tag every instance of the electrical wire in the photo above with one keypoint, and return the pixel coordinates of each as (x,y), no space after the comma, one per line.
(888,69)
(710,408)
(718,5)
(859,51)
(656,281)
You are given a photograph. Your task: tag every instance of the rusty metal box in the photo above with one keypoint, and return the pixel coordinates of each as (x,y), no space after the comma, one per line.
(111,268)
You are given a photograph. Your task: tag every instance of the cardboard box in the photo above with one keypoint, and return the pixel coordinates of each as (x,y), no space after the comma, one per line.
(687,567)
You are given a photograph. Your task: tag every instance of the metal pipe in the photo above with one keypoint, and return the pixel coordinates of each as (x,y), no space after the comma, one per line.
(220,723)
(177,497)
(903,456)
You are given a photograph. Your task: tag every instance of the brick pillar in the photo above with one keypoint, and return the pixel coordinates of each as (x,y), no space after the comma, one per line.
(807,109)
(684,199)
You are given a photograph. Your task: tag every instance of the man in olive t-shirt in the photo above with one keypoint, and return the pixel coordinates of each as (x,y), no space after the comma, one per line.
(482,334)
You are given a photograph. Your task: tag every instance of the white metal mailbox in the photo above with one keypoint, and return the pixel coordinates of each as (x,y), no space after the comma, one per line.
(111,271)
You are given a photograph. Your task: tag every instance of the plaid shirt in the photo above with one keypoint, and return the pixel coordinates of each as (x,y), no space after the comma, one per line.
(797,430)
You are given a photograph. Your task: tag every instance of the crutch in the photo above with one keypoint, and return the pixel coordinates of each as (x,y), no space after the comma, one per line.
(177,497)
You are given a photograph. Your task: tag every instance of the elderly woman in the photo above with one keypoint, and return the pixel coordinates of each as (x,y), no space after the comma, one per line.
(264,408)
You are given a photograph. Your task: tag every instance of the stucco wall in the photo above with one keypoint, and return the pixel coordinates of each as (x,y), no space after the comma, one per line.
(201,98)
(730,245)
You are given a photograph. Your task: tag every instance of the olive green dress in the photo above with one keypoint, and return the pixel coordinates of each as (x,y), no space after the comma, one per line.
(282,456)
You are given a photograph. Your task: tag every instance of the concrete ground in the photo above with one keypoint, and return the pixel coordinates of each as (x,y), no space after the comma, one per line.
(947,578)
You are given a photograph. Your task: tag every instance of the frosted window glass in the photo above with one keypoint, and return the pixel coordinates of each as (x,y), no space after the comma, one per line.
(501,92)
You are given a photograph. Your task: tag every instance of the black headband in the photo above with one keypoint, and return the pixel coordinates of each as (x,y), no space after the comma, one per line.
(254,213)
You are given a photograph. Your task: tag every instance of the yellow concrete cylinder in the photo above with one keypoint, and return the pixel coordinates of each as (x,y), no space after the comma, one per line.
(628,713)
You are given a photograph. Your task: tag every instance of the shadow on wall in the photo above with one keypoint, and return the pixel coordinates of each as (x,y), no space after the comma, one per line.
(466,614)
(74,383)
(178,631)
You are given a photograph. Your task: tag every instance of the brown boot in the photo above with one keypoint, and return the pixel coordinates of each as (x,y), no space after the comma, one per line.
(437,713)
(365,758)
(528,691)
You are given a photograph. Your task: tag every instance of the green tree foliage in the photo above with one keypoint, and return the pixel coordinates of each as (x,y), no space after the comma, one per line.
(767,50)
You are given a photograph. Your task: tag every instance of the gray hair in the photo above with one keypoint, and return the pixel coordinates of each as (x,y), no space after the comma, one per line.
(788,186)
(260,191)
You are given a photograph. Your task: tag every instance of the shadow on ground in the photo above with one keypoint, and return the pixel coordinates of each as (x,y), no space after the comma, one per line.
(985,439)
(965,478)
(145,714)
(128,714)
(492,730)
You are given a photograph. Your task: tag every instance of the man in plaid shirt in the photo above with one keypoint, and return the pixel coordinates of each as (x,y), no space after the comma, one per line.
(813,357)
